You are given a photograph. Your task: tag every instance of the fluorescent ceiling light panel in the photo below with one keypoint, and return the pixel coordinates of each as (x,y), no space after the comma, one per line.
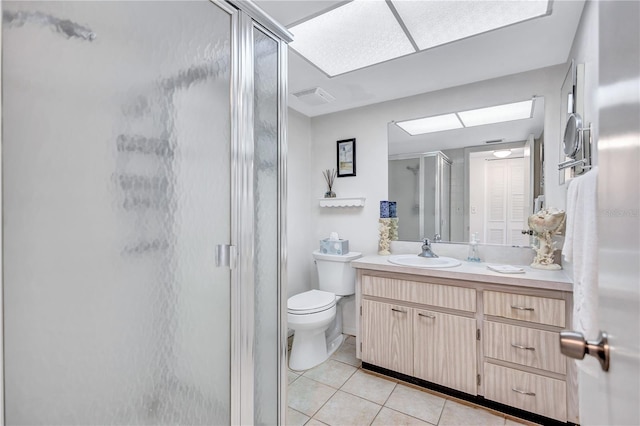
(436,123)
(433,23)
(352,36)
(497,114)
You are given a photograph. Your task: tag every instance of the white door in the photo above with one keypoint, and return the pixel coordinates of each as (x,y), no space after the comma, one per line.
(612,398)
(506,211)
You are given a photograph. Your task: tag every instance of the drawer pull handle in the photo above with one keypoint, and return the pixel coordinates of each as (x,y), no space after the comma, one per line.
(398,310)
(521,308)
(427,315)
(526,348)
(523,392)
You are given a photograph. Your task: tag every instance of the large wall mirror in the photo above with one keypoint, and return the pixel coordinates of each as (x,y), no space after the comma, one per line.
(480,179)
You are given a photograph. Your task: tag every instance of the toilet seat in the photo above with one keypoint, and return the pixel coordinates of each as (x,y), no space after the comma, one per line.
(311,302)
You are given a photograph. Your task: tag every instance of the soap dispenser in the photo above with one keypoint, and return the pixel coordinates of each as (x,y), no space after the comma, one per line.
(473,249)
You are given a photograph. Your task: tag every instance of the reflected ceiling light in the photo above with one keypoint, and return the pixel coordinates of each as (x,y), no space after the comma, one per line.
(433,23)
(361,33)
(470,118)
(497,114)
(503,153)
(436,123)
(352,36)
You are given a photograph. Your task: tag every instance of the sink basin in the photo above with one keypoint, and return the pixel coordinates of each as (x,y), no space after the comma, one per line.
(424,262)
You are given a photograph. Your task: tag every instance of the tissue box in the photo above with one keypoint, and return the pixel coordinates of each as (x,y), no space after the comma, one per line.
(328,246)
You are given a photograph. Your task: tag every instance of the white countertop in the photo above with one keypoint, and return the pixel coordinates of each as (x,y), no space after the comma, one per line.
(472,271)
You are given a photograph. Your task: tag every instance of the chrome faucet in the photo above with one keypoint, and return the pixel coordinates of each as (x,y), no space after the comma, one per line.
(437,238)
(426,249)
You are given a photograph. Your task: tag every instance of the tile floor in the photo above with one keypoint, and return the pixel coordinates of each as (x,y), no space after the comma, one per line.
(339,392)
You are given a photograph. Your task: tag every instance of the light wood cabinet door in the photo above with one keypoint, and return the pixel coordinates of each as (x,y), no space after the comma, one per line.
(445,350)
(387,336)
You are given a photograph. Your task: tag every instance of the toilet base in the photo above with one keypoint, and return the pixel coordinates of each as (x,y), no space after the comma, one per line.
(311,349)
(334,345)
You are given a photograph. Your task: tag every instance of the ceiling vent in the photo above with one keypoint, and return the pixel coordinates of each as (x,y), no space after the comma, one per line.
(494,141)
(314,97)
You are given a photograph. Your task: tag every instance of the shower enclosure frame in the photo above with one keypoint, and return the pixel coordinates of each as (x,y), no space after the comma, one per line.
(250,18)
(246,17)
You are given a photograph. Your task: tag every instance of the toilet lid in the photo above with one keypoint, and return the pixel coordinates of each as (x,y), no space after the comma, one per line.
(312,300)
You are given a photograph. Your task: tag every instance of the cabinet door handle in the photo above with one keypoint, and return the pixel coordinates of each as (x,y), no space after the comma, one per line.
(522,308)
(523,392)
(398,310)
(526,348)
(426,315)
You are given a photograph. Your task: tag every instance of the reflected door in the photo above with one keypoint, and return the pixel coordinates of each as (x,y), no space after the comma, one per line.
(116,176)
(506,183)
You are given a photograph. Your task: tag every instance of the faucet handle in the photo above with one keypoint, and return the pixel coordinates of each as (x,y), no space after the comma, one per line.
(437,238)
(427,242)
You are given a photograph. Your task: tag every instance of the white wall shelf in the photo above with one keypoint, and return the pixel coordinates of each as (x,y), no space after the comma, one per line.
(342,202)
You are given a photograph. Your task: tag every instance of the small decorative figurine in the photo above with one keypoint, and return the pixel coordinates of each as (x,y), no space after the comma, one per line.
(545,224)
(384,244)
(329,177)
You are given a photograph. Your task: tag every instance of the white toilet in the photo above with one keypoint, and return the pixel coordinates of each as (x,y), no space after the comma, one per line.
(316,315)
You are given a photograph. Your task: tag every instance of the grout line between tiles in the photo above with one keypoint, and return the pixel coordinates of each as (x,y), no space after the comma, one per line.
(442,411)
(325,403)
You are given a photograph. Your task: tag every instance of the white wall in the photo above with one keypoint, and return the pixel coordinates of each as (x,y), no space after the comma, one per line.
(299,205)
(585,51)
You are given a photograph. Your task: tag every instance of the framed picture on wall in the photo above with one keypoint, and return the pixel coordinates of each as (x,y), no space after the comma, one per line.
(346,157)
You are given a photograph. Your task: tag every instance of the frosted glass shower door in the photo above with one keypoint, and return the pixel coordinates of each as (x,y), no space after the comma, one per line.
(116,191)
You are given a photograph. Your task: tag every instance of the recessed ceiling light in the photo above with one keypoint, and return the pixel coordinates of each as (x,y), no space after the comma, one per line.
(503,153)
(497,114)
(470,118)
(430,124)
(433,23)
(352,36)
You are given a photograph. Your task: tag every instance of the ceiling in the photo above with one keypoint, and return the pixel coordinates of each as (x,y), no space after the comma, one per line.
(529,45)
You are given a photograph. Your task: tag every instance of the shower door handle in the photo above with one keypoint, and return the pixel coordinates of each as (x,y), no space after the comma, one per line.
(226,255)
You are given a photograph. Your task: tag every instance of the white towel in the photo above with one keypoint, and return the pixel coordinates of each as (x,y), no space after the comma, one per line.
(581,249)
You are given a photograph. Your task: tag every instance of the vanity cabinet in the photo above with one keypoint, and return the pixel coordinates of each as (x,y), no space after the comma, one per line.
(492,341)
(445,350)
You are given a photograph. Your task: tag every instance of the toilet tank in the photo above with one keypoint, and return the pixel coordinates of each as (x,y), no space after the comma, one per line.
(335,273)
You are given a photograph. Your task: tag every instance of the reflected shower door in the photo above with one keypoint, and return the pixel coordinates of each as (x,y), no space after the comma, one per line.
(116,174)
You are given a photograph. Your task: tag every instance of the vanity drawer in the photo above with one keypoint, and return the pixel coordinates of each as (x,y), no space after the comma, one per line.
(525,346)
(542,310)
(530,392)
(445,296)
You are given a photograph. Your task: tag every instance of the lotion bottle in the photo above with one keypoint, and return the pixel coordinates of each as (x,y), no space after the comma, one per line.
(473,249)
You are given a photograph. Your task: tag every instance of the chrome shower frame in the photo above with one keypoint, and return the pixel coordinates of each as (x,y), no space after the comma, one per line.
(248,18)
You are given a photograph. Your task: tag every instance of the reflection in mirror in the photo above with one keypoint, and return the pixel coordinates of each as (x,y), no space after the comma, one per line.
(452,184)
(421,185)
